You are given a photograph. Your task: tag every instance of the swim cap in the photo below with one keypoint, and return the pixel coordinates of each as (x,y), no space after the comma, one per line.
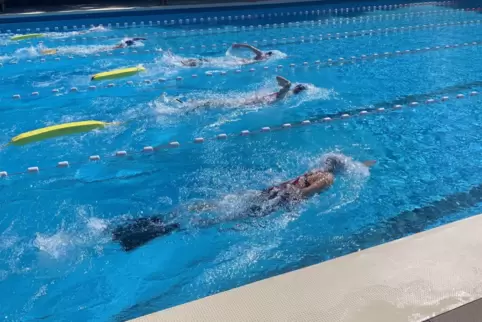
(334,162)
(299,88)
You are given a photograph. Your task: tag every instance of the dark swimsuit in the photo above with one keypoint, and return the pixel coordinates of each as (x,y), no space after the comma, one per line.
(193,62)
(261,206)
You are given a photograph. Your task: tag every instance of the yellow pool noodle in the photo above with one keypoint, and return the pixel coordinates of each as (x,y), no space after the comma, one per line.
(118,73)
(57,130)
(27,36)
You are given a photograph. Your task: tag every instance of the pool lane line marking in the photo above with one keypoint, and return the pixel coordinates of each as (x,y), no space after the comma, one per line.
(243,29)
(317,64)
(214,19)
(312,39)
(297,24)
(326,119)
(251,28)
(301,40)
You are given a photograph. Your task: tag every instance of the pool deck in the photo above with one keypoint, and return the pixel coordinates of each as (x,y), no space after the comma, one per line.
(423,277)
(121,6)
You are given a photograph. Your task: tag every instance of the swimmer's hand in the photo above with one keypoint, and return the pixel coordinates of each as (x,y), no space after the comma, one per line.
(283,82)
(370,163)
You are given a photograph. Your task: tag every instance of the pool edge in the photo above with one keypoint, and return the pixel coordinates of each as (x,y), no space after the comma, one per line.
(410,279)
(147,10)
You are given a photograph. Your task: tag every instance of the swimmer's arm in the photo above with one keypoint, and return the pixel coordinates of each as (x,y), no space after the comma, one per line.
(285,86)
(318,186)
(255,50)
(282,81)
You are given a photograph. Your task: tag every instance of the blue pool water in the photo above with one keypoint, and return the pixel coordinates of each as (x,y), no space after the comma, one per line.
(58,260)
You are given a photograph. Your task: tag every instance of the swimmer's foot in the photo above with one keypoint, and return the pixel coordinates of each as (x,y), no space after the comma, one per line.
(140,231)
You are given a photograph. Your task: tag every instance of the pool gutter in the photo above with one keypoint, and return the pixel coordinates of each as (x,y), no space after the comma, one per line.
(123,11)
(410,279)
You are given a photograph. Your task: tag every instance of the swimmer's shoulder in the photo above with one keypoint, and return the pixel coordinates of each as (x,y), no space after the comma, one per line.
(329,178)
(324,180)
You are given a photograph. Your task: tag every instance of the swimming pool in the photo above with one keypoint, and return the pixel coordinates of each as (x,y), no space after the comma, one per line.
(59,262)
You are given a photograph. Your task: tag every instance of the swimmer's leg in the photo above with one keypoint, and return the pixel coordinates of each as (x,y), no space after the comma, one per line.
(138,232)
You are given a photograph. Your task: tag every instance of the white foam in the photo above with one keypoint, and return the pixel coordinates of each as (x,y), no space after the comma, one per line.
(96,225)
(68,34)
(82,50)
(28,52)
(67,241)
(56,245)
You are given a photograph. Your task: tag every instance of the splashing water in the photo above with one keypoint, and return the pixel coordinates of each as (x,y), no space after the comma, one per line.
(28,52)
(56,245)
(69,34)
(84,234)
(81,50)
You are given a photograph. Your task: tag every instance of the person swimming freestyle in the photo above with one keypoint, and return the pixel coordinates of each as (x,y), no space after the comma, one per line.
(124,44)
(138,232)
(128,42)
(286,89)
(259,56)
(282,93)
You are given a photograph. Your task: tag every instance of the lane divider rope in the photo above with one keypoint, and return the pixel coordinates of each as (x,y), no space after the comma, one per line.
(305,66)
(326,119)
(254,16)
(251,28)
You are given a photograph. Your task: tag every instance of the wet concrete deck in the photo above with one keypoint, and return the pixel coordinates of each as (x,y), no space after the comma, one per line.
(412,279)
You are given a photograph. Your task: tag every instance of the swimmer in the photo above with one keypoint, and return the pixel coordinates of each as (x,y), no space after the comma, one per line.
(282,93)
(128,42)
(286,89)
(259,56)
(281,196)
(124,44)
